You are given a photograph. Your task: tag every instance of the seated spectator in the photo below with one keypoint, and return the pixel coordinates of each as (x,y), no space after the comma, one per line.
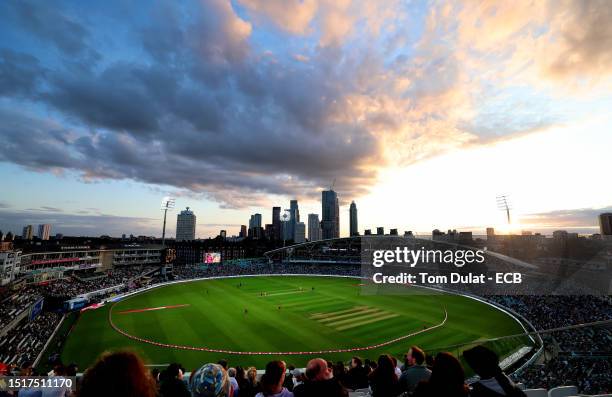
(339,372)
(210,380)
(232,378)
(398,371)
(383,380)
(319,382)
(59,371)
(289,379)
(119,374)
(272,381)
(72,369)
(415,371)
(171,382)
(493,382)
(249,386)
(27,370)
(357,377)
(429,361)
(298,377)
(447,379)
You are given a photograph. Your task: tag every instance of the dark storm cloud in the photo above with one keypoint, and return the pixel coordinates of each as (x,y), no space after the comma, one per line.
(203,112)
(19,73)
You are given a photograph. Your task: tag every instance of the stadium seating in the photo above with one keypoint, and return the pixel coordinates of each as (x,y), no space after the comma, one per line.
(587,372)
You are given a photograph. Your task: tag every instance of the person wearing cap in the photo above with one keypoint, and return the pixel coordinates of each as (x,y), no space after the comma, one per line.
(211,380)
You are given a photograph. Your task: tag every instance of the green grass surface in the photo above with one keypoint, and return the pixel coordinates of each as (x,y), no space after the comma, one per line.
(334,315)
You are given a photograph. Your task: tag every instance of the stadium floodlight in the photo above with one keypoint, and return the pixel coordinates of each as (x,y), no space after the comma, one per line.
(503,203)
(166,204)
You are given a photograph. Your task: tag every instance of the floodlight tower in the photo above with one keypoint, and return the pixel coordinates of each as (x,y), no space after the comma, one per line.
(503,203)
(166,204)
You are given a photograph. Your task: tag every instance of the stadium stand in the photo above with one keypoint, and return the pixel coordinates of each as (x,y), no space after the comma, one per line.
(579,358)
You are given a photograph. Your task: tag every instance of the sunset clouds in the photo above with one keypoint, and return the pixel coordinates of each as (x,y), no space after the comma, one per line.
(234,101)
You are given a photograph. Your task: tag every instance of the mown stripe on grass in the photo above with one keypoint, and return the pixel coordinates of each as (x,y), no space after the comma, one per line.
(350,320)
(356,314)
(366,321)
(324,315)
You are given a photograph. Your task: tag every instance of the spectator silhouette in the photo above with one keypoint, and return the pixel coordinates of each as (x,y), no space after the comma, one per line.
(319,382)
(383,380)
(119,374)
(493,382)
(273,379)
(447,379)
(415,370)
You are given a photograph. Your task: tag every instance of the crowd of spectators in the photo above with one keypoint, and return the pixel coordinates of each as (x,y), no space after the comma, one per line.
(262,267)
(24,342)
(14,303)
(74,286)
(550,312)
(592,375)
(124,374)
(575,362)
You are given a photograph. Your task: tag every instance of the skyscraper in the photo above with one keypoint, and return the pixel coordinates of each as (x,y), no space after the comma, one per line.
(299,235)
(276,223)
(243,231)
(294,217)
(255,229)
(354,228)
(27,232)
(44,231)
(605,224)
(255,221)
(185,225)
(314,227)
(330,224)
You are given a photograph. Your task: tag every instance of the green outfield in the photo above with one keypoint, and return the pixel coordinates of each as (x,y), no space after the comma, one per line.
(282,314)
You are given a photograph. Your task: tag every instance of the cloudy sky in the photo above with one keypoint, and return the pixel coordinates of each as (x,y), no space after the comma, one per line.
(422,112)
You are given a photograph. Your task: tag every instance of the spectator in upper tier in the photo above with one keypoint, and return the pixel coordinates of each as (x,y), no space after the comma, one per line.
(415,372)
(272,381)
(210,380)
(319,382)
(120,374)
(447,379)
(493,382)
(383,380)
(357,377)
(171,382)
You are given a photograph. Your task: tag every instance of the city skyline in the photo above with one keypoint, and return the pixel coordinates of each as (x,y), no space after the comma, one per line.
(422,113)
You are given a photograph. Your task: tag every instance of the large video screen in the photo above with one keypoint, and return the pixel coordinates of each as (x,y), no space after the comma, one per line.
(212,257)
